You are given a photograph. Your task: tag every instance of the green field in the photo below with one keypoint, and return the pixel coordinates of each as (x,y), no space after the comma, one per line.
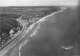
(30,12)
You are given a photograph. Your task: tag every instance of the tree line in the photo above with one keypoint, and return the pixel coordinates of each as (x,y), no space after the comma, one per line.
(6,24)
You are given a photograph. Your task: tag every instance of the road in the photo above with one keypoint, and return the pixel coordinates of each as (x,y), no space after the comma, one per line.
(13,40)
(46,36)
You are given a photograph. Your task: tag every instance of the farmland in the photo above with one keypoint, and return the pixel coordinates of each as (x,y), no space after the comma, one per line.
(29,12)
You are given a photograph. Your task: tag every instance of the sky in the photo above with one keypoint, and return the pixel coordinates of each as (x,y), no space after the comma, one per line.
(38,2)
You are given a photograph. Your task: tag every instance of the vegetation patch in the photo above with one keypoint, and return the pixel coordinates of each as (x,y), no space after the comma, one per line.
(8,26)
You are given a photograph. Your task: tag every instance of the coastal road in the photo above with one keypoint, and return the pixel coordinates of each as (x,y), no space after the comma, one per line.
(15,38)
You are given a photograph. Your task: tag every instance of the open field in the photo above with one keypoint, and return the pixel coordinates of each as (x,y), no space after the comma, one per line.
(29,12)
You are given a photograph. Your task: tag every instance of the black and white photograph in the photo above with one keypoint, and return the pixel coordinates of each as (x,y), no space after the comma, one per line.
(39,27)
